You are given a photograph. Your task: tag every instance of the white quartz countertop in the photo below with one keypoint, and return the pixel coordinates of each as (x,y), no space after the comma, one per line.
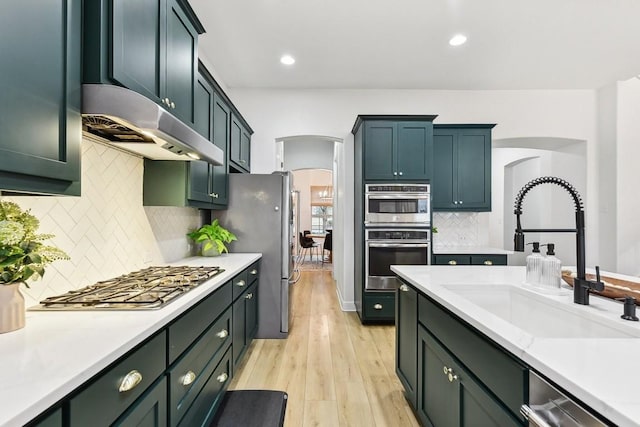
(601,372)
(485,250)
(57,351)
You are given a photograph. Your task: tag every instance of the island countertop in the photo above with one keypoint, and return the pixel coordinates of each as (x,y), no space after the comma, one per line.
(598,371)
(56,351)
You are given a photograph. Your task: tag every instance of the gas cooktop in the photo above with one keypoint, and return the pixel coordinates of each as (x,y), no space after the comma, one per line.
(147,289)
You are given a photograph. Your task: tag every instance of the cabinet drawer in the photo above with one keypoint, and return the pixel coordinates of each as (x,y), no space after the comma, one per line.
(488,259)
(189,326)
(240,283)
(191,372)
(208,400)
(101,402)
(380,307)
(499,372)
(253,272)
(451,259)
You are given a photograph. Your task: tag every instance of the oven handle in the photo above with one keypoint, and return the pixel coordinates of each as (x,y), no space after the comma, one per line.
(533,417)
(398,245)
(412,196)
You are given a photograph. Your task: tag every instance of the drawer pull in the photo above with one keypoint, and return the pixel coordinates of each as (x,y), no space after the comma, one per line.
(253,272)
(404,288)
(188,378)
(453,262)
(448,372)
(240,283)
(377,306)
(249,296)
(130,381)
(452,377)
(222,377)
(488,262)
(223,334)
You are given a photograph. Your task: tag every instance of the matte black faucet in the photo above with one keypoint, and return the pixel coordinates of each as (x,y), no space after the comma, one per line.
(581,285)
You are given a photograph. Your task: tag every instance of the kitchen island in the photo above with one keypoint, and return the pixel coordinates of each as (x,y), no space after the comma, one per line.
(595,364)
(57,352)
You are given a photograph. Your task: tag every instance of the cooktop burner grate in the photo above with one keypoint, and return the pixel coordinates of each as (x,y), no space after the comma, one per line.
(150,288)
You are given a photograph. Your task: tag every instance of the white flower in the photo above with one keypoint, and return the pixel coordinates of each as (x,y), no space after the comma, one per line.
(11,232)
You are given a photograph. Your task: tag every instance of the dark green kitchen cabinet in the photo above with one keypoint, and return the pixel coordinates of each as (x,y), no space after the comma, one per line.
(221,137)
(53,419)
(245,311)
(448,395)
(407,340)
(462,168)
(240,145)
(470,259)
(40,81)
(398,150)
(149,46)
(176,183)
(149,411)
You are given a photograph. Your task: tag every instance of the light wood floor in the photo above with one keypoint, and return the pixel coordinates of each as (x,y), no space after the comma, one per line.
(336,371)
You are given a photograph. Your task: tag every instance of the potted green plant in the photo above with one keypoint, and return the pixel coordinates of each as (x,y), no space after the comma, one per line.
(23,256)
(212,237)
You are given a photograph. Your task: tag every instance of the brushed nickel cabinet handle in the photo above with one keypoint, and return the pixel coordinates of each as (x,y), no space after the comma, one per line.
(188,378)
(460,201)
(240,283)
(223,334)
(377,306)
(488,262)
(222,377)
(249,295)
(453,262)
(253,272)
(400,173)
(173,105)
(130,381)
(404,288)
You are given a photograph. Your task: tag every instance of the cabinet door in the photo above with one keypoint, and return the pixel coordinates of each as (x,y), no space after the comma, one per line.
(414,150)
(438,398)
(221,137)
(245,148)
(137,28)
(239,328)
(474,169)
(251,317)
(379,150)
(149,411)
(236,141)
(200,179)
(181,61)
(407,340)
(54,419)
(443,190)
(40,81)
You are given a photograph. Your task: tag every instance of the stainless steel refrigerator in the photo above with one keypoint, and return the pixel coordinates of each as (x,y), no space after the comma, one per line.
(260,213)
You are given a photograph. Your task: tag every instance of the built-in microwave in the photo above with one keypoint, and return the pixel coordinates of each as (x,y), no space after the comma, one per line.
(397,204)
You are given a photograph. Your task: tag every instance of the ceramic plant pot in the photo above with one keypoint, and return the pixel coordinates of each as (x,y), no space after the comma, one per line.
(11,308)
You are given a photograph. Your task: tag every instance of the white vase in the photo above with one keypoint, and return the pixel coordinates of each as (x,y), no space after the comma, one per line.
(11,308)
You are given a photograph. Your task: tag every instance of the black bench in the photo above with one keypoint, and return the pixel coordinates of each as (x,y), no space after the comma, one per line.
(251,408)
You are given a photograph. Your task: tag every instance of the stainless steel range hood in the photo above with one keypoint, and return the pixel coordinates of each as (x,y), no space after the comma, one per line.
(135,123)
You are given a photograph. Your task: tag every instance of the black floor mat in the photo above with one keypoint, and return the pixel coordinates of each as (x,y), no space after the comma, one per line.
(251,408)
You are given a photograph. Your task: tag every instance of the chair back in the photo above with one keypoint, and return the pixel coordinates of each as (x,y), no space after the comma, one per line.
(305,242)
(328,242)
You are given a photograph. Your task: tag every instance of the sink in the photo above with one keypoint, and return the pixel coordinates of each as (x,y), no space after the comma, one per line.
(543,316)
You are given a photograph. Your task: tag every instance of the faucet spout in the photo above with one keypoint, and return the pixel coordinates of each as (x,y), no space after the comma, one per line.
(581,284)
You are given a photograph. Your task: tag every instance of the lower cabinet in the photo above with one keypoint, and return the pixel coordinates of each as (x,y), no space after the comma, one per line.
(452,374)
(469,259)
(175,378)
(378,307)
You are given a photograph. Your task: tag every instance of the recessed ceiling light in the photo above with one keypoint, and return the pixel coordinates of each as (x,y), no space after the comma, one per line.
(458,40)
(287,60)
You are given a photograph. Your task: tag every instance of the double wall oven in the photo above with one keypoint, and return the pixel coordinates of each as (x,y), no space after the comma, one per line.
(397,230)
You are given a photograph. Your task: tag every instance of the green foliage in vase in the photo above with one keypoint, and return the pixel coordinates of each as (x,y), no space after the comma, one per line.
(210,234)
(23,255)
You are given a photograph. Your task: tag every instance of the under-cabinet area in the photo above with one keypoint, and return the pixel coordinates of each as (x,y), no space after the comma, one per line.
(168,366)
(471,341)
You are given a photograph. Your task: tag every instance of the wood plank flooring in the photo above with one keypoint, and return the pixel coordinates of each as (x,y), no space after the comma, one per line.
(336,371)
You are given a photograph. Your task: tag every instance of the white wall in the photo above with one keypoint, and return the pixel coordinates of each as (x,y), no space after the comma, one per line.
(302,181)
(277,113)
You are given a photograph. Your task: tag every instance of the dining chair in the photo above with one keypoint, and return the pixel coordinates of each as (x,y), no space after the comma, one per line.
(308,245)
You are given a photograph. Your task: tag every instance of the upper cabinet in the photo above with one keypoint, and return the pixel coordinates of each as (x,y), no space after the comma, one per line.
(40,119)
(240,148)
(149,46)
(462,168)
(397,147)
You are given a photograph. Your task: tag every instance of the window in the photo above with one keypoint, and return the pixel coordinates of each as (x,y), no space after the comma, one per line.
(321,208)
(321,218)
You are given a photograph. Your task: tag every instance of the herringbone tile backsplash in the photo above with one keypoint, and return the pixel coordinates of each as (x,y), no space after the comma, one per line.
(458,229)
(106,232)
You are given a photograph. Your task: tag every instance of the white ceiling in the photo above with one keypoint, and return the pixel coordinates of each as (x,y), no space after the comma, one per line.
(385,44)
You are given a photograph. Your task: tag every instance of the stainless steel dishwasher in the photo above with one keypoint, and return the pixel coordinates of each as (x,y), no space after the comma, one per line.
(549,407)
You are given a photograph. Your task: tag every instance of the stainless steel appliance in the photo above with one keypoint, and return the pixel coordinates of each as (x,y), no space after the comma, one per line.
(549,407)
(397,204)
(261,215)
(146,289)
(385,247)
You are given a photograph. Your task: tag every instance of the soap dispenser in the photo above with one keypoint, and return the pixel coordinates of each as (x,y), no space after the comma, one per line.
(551,268)
(534,265)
